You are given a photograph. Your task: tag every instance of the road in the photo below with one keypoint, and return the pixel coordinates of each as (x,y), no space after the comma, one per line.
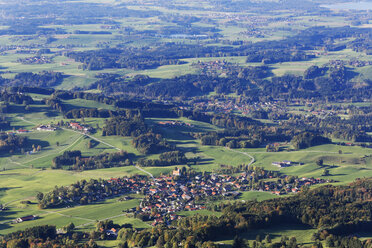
(244,153)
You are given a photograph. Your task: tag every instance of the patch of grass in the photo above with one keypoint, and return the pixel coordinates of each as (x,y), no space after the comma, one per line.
(259,196)
(302,234)
(82,216)
(199,212)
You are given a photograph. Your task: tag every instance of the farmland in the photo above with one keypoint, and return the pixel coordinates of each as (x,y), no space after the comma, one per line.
(161,124)
(28,174)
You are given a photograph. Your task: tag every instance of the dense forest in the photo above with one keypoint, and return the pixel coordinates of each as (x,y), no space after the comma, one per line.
(334,82)
(45,79)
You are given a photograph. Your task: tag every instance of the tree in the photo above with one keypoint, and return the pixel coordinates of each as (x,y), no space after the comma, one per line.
(123,245)
(319,162)
(258,238)
(325,172)
(268,238)
(160,242)
(39,196)
(69,228)
(238,242)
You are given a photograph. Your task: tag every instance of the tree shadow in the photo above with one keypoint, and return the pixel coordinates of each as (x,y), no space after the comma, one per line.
(5,218)
(42,143)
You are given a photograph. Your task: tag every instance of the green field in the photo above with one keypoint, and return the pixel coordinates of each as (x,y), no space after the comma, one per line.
(25,172)
(84,217)
(28,174)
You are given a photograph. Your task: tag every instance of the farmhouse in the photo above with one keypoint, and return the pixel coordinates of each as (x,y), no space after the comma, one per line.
(26,218)
(47,128)
(75,125)
(284,163)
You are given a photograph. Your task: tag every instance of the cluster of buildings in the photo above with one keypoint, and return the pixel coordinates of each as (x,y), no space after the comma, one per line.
(285,163)
(174,123)
(213,67)
(289,187)
(35,60)
(354,63)
(166,195)
(47,128)
(25,218)
(80,127)
(229,105)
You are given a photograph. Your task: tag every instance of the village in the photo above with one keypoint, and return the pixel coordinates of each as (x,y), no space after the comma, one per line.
(167,195)
(183,190)
(174,123)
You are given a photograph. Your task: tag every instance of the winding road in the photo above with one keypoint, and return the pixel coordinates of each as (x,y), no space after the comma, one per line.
(244,153)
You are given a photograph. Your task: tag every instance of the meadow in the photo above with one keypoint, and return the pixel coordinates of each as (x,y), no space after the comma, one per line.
(27,174)
(24,173)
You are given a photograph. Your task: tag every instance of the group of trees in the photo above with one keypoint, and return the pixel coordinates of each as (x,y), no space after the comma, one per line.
(73,160)
(230,142)
(332,240)
(4,124)
(144,139)
(122,126)
(150,143)
(10,142)
(165,159)
(16,98)
(275,56)
(132,58)
(92,113)
(307,139)
(46,236)
(41,79)
(332,82)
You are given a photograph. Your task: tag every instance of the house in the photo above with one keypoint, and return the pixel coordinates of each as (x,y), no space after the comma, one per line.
(26,218)
(276,164)
(186,197)
(112,233)
(76,126)
(177,172)
(45,128)
(22,131)
(284,163)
